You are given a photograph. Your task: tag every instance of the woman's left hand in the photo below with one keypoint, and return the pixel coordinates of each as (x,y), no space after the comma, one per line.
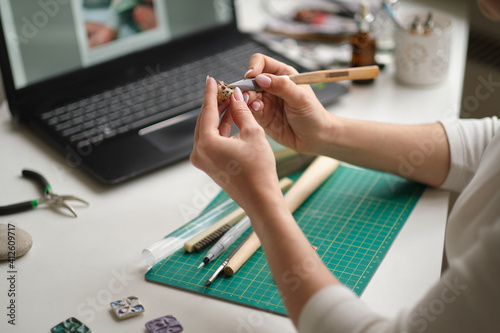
(243,165)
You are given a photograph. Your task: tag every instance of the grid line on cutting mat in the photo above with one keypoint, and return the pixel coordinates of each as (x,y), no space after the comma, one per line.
(352,219)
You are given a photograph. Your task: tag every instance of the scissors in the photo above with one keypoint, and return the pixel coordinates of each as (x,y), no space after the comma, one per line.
(49,197)
(355,73)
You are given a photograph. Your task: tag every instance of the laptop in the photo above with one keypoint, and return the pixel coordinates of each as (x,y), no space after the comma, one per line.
(116,85)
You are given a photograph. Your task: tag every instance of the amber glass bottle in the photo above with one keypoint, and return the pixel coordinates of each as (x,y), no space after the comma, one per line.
(363,42)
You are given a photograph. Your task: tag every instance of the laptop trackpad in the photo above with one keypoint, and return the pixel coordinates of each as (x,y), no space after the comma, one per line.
(173,133)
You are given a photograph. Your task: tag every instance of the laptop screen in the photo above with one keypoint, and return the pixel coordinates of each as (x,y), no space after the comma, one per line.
(47,38)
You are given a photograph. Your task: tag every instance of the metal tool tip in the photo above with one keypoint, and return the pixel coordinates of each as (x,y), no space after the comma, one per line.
(201,265)
(208,283)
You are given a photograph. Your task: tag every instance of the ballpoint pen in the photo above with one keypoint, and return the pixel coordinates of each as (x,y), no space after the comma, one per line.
(355,73)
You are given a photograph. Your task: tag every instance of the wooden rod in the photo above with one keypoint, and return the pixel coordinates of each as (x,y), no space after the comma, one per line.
(250,246)
(319,170)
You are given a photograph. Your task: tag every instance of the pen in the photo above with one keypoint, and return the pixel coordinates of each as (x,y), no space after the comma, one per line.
(225,262)
(176,239)
(429,24)
(235,232)
(415,26)
(229,238)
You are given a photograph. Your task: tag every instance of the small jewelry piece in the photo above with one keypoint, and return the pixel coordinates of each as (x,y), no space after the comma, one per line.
(70,325)
(165,324)
(223,92)
(127,307)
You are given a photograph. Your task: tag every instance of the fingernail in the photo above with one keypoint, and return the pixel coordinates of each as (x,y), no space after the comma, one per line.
(246,97)
(263,81)
(207,78)
(255,106)
(248,72)
(238,95)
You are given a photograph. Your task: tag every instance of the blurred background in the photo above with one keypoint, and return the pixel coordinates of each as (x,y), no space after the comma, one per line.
(483,58)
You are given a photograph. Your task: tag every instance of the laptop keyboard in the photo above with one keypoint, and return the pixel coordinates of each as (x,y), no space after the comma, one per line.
(159,96)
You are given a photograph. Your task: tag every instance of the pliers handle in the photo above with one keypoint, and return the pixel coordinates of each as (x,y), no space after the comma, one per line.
(18,207)
(33,175)
(48,196)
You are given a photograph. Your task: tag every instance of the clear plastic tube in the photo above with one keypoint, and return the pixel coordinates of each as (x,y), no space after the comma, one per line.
(176,239)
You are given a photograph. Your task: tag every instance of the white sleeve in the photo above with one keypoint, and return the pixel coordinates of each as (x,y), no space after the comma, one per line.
(467,139)
(466,299)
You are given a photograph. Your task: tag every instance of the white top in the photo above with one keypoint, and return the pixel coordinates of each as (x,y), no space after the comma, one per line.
(467,297)
(76,267)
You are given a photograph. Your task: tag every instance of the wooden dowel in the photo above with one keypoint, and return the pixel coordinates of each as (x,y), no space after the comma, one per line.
(319,170)
(250,246)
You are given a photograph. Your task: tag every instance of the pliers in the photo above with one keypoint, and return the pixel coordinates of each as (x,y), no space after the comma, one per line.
(49,197)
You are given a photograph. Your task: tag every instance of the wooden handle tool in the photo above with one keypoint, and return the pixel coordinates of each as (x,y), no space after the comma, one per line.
(354,73)
(319,170)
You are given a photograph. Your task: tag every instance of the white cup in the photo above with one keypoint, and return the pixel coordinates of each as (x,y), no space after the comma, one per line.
(423,58)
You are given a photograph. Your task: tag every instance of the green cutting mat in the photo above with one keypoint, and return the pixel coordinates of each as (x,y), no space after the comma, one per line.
(352,218)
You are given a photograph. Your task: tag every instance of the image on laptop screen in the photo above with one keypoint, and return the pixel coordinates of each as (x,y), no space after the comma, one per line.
(68,35)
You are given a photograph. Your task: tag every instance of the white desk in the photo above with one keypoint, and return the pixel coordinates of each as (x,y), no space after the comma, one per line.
(78,266)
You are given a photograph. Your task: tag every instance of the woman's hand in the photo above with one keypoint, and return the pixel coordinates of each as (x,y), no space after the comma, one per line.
(243,165)
(290,114)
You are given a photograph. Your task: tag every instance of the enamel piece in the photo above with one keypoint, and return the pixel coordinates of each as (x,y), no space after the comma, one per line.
(70,325)
(127,307)
(165,324)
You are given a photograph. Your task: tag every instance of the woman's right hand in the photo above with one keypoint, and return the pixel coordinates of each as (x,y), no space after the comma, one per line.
(290,114)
